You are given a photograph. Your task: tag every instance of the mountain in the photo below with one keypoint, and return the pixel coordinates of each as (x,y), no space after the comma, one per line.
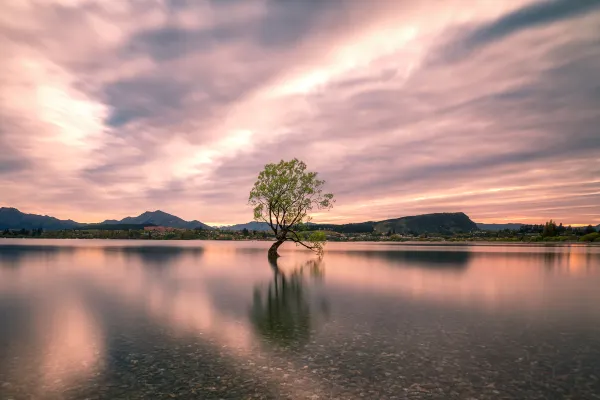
(361,227)
(11,218)
(444,223)
(159,218)
(251,226)
(499,227)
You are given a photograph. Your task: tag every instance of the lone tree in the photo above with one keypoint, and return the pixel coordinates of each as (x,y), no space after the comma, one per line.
(282,196)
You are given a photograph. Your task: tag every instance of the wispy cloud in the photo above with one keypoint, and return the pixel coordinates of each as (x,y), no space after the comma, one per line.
(111,108)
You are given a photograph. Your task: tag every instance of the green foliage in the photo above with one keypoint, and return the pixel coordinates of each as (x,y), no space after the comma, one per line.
(188,235)
(590,237)
(316,239)
(283,195)
(550,229)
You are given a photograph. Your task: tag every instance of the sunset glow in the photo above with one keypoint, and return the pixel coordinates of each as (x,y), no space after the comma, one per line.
(110,108)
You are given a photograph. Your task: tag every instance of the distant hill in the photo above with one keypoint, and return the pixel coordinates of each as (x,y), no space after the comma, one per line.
(360,227)
(11,218)
(159,218)
(499,227)
(444,223)
(251,226)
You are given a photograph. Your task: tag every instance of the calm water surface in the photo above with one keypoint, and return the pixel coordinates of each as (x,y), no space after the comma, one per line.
(160,320)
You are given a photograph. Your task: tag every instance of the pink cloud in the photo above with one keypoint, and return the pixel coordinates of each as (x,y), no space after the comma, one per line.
(112,109)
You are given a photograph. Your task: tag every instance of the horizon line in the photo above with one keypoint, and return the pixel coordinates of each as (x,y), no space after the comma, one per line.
(326,221)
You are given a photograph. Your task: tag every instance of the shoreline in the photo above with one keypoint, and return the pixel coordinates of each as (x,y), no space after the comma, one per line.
(414,243)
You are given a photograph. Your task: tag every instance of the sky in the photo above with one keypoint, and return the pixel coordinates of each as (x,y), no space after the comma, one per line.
(110,108)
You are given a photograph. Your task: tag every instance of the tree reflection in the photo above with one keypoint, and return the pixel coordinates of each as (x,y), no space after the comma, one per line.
(283,314)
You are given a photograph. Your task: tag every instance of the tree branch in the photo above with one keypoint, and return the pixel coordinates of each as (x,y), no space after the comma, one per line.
(271,221)
(313,248)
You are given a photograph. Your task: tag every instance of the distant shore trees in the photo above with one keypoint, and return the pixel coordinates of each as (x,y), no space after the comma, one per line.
(550,229)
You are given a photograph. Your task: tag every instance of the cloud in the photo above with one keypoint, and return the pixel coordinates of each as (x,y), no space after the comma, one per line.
(144,97)
(403,107)
(532,16)
(11,165)
(169,42)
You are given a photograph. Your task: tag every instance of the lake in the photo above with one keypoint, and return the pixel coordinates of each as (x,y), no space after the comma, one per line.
(107,319)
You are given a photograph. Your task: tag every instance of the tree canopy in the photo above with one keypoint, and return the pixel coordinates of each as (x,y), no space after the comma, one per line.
(550,229)
(282,196)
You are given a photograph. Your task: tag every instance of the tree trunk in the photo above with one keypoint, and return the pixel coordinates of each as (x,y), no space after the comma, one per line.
(273,250)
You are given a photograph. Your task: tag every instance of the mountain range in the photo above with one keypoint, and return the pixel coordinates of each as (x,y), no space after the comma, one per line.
(445,223)
(158,218)
(11,218)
